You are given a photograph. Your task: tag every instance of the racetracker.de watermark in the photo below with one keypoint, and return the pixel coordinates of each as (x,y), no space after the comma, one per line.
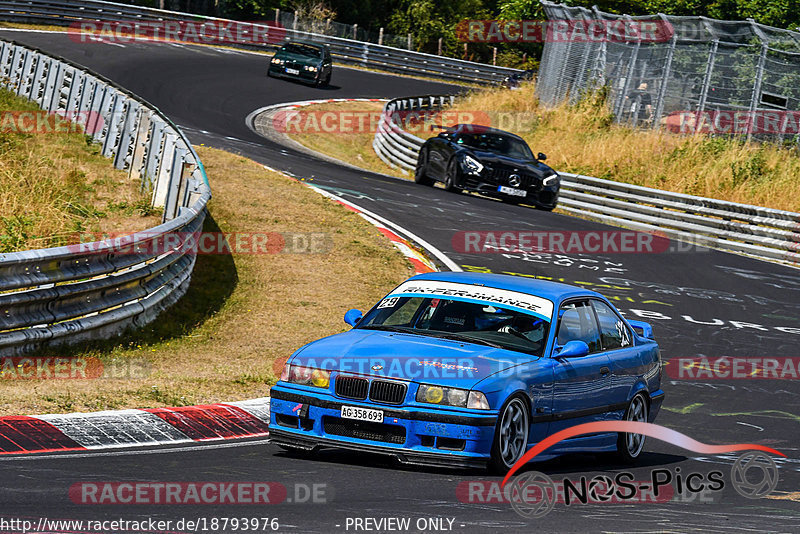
(71,368)
(43,122)
(733,368)
(564,31)
(359,121)
(563,242)
(203,243)
(178,493)
(210,32)
(734,122)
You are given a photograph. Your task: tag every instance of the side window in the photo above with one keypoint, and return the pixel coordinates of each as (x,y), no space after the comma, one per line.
(576,322)
(613,332)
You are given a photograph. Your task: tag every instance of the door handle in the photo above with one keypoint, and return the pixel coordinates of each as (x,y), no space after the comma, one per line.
(604,371)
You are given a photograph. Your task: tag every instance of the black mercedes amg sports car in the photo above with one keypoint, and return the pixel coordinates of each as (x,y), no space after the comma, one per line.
(489,161)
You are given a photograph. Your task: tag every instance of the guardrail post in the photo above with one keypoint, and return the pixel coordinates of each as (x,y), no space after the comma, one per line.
(380,36)
(154,154)
(55,90)
(137,169)
(409,41)
(115,118)
(174,183)
(126,137)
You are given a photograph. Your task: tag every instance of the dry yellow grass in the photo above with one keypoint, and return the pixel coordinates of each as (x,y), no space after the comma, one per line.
(244,314)
(353,146)
(54,186)
(583,139)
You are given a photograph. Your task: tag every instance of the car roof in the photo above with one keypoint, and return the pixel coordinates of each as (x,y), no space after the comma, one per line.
(553,291)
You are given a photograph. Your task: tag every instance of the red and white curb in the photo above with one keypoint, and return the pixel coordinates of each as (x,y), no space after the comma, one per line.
(134,428)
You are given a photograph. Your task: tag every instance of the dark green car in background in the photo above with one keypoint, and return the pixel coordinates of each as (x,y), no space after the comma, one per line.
(304,61)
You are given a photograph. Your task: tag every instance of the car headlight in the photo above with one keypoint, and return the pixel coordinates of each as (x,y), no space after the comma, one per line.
(306,376)
(311,68)
(477,401)
(473,165)
(550,180)
(277,61)
(451,397)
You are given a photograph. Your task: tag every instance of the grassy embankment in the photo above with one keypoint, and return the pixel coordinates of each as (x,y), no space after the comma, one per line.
(243,315)
(584,139)
(56,186)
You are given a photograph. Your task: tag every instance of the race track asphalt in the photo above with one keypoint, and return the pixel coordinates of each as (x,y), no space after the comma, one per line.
(701,303)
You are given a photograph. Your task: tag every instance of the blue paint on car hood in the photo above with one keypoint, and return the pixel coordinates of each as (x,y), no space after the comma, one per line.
(414,357)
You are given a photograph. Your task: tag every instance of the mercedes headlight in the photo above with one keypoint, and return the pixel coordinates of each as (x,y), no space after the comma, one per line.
(550,180)
(306,376)
(473,165)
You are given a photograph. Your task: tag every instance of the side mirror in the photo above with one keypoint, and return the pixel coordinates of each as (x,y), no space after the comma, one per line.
(642,328)
(541,156)
(352,317)
(573,349)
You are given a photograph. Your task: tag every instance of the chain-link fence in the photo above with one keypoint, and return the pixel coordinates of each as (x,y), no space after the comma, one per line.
(289,20)
(690,74)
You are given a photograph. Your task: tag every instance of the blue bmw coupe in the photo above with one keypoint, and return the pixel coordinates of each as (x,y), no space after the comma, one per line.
(468,370)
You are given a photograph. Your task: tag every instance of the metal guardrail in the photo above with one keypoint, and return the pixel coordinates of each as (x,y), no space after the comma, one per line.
(387,58)
(94,290)
(765,233)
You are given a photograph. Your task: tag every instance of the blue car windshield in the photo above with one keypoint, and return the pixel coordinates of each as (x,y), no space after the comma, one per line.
(504,145)
(484,324)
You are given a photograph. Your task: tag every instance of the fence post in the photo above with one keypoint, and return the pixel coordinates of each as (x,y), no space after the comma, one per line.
(629,75)
(355,32)
(380,36)
(701,106)
(662,91)
(494,55)
(440,46)
(277,15)
(294,22)
(409,41)
(755,97)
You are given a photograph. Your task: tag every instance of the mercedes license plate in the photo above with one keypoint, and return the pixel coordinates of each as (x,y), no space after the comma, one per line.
(512,191)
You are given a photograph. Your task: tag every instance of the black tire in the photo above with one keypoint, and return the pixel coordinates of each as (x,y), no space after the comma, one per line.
(421,172)
(323,82)
(510,435)
(630,446)
(545,208)
(452,177)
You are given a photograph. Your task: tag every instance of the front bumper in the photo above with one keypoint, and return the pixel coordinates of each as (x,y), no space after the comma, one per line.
(442,438)
(306,76)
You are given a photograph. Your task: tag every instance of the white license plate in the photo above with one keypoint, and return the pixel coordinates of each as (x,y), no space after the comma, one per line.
(512,191)
(362,414)
(292,71)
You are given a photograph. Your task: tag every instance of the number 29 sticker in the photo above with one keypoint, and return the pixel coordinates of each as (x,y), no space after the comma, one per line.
(390,302)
